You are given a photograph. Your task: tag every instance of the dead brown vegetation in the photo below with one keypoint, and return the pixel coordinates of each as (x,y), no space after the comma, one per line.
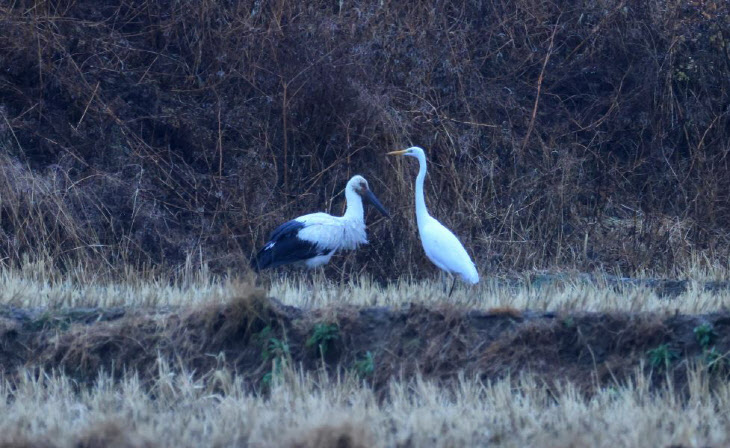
(236,367)
(106,434)
(346,435)
(254,338)
(112,435)
(588,134)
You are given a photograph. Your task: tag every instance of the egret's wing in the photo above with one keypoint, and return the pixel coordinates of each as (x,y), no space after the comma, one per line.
(446,251)
(439,244)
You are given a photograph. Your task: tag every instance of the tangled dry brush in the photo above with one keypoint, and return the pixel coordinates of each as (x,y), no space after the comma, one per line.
(587,134)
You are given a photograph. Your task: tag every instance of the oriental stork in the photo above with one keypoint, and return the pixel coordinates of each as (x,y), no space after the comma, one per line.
(312,239)
(440,244)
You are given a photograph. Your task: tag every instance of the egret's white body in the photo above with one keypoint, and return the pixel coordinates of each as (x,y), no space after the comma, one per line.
(313,239)
(440,244)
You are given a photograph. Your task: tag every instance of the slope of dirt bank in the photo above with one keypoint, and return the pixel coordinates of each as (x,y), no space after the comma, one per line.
(253,336)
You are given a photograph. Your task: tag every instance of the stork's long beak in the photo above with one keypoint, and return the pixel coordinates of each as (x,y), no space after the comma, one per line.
(370,197)
(397,153)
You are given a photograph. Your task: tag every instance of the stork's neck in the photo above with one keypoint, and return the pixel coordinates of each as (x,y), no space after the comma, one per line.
(421,211)
(354,211)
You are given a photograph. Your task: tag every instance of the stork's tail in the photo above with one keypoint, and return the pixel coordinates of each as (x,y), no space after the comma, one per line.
(263,259)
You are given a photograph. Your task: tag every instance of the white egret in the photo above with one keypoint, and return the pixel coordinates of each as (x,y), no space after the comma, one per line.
(311,240)
(440,244)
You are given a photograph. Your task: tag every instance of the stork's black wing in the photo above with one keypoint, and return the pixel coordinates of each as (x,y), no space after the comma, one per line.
(288,229)
(284,247)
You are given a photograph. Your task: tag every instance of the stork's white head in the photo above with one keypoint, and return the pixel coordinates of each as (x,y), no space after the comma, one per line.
(360,187)
(357,184)
(413,151)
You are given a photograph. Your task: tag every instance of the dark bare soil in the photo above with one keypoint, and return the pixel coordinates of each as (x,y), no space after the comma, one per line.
(255,334)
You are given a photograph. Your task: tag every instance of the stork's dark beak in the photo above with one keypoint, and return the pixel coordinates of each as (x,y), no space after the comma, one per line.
(370,197)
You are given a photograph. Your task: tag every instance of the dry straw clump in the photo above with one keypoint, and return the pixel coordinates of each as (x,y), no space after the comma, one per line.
(590,135)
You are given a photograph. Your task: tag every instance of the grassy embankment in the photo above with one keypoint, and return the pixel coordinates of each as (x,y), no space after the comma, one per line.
(272,388)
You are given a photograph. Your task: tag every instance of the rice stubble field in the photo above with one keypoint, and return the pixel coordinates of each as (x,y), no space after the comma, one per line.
(543,360)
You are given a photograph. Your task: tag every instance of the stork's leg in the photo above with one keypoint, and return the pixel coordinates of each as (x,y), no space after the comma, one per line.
(453,283)
(319,281)
(346,262)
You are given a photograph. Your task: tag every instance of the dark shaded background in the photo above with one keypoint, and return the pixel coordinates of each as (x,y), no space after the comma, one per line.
(588,135)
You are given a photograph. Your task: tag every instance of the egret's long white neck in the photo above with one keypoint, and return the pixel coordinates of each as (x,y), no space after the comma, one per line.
(354,210)
(421,211)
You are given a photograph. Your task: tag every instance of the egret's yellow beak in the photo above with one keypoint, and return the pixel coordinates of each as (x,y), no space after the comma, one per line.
(397,153)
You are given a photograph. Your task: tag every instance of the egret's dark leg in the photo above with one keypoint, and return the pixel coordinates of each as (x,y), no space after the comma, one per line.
(452,285)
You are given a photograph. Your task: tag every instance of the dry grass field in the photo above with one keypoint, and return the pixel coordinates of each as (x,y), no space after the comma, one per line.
(311,410)
(80,384)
